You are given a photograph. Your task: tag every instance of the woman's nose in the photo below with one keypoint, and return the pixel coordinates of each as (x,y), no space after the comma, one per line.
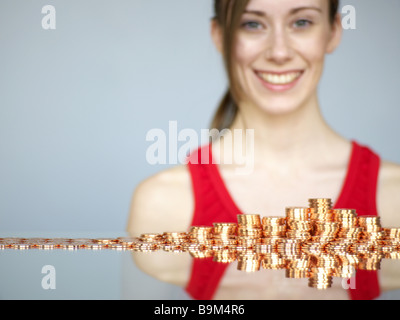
(278,48)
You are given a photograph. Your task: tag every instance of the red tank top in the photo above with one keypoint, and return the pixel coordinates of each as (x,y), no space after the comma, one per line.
(213,203)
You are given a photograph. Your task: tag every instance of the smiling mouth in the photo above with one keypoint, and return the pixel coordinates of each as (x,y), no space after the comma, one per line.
(280,79)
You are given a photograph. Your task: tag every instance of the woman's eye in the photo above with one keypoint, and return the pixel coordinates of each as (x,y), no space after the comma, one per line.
(302,23)
(251,25)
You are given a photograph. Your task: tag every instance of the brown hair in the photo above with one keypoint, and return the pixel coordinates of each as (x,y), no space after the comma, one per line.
(228,14)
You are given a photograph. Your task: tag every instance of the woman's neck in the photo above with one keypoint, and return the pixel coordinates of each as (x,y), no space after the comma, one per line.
(297,138)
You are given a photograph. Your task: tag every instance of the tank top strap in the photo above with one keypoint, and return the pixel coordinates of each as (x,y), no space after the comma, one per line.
(209,208)
(360,187)
(359,193)
(212,200)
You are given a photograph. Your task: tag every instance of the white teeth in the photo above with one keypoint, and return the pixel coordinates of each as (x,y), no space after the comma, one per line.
(280,79)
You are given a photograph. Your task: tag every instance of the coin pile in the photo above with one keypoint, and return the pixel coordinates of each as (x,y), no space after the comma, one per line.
(392,234)
(320,208)
(225,235)
(298,223)
(314,242)
(274,227)
(199,241)
(149,242)
(174,241)
(371,228)
(323,220)
(249,230)
(225,242)
(348,224)
(200,234)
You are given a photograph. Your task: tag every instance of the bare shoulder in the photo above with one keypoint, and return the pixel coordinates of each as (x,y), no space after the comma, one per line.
(162,203)
(389,194)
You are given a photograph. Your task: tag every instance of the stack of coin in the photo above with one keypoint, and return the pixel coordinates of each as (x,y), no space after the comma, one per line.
(201,235)
(175,241)
(249,230)
(326,215)
(325,231)
(225,235)
(320,205)
(298,224)
(225,229)
(274,227)
(346,217)
(392,234)
(390,244)
(148,242)
(348,229)
(176,238)
(323,219)
(371,227)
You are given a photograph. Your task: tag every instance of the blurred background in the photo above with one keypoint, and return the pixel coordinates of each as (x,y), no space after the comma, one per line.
(77,102)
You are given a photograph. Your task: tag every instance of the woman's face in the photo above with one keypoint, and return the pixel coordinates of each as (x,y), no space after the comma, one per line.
(280,50)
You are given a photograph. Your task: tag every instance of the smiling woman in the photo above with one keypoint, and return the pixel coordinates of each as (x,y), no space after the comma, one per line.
(274,53)
(318,28)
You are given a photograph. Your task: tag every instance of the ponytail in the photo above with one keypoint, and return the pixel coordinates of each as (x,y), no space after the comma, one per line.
(226,113)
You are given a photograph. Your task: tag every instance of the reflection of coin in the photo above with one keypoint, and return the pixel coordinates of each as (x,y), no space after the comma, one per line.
(315,242)
(248,261)
(320,280)
(296,273)
(273,261)
(224,256)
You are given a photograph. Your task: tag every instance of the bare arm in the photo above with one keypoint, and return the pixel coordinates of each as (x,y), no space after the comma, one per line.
(163,203)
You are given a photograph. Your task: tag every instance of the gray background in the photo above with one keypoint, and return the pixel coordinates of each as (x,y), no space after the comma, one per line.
(76,102)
